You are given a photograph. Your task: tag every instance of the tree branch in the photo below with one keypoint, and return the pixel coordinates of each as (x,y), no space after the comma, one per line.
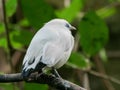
(101,69)
(104,76)
(51,80)
(4,78)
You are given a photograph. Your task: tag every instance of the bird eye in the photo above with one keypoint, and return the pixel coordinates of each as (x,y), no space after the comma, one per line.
(67,25)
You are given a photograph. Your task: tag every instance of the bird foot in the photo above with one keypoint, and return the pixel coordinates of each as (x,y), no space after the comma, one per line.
(66,85)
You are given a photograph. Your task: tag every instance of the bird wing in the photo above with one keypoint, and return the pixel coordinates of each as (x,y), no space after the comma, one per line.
(52,53)
(49,48)
(66,54)
(39,42)
(57,52)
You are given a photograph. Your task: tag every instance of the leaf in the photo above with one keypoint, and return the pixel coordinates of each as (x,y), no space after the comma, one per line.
(77,60)
(103,55)
(32,86)
(106,12)
(37,12)
(3,42)
(70,12)
(15,44)
(93,32)
(11,7)
(24,23)
(7,86)
(22,37)
(18,37)
(1,28)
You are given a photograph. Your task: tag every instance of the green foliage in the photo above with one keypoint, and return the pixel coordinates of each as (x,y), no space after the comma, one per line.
(92,29)
(10,7)
(70,12)
(32,86)
(10,10)
(24,23)
(3,43)
(37,12)
(77,60)
(103,55)
(7,86)
(22,37)
(111,1)
(106,12)
(1,28)
(18,38)
(93,33)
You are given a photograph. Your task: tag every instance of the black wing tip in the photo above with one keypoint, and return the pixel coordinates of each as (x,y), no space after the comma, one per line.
(40,66)
(26,73)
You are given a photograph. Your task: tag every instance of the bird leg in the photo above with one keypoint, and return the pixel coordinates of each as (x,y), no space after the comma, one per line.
(54,71)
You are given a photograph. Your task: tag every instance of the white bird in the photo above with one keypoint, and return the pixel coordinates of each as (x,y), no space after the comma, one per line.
(50,47)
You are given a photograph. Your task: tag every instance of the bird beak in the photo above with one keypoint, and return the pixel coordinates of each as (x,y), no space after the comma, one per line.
(72,28)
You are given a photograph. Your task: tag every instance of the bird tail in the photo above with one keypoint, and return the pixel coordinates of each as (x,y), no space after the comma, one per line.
(26,73)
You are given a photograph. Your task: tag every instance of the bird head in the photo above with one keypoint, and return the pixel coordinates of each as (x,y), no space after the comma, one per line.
(60,23)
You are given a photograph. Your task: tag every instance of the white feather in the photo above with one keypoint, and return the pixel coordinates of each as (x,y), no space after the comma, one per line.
(53,42)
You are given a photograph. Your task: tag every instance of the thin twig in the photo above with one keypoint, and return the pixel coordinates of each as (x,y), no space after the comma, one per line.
(104,76)
(86,81)
(7,33)
(6,26)
(76,45)
(113,54)
(101,69)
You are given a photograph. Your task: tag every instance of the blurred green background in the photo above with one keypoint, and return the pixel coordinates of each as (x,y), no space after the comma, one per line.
(95,61)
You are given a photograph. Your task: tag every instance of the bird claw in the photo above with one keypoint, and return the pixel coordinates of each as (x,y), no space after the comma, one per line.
(32,76)
(66,85)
